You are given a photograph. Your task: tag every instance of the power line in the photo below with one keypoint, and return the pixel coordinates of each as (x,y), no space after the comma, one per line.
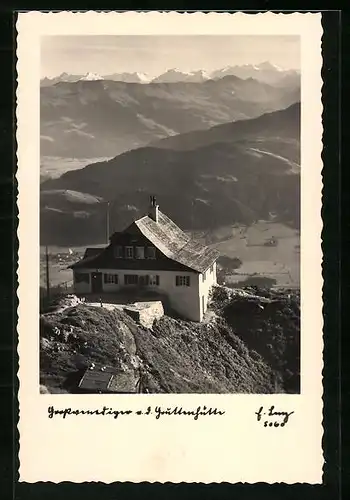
(47,273)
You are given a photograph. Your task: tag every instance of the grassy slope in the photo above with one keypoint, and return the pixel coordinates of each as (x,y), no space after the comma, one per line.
(268,321)
(178,356)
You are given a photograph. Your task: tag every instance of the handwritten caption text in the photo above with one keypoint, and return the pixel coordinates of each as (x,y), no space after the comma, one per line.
(157,412)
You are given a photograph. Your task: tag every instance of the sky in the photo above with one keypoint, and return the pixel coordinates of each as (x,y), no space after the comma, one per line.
(156,54)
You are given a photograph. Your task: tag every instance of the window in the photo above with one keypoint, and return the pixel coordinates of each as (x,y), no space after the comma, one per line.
(212,268)
(82,277)
(118,252)
(129,252)
(204,276)
(151,252)
(131,279)
(110,279)
(140,253)
(144,280)
(154,280)
(182,281)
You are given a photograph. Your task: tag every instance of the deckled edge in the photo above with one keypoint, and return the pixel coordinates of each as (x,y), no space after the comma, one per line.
(17,184)
(322,69)
(16,381)
(170,13)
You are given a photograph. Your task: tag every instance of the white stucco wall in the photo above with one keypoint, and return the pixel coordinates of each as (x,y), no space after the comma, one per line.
(184,300)
(204,288)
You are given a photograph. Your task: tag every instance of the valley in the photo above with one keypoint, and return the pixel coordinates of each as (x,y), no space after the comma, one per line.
(217,173)
(262,264)
(269,266)
(52,167)
(220,151)
(228,147)
(104,118)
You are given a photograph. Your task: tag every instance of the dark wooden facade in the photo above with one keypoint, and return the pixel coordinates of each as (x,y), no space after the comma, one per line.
(132,237)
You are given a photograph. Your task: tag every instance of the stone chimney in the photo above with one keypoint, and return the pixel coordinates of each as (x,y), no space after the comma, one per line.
(153,209)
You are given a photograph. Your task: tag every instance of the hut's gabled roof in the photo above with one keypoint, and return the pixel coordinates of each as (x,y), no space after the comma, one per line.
(92,252)
(175,243)
(168,238)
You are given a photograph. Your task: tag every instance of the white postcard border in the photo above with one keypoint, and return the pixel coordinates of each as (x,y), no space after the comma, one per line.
(233,447)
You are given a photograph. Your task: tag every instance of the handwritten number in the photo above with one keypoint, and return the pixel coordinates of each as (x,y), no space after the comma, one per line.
(279,415)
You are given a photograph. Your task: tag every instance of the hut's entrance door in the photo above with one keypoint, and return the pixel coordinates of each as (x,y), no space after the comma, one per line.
(96,285)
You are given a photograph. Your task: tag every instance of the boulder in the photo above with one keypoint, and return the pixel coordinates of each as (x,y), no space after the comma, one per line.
(145,312)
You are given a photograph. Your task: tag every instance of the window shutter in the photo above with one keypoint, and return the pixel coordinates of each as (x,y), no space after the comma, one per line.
(151,252)
(118,252)
(157,280)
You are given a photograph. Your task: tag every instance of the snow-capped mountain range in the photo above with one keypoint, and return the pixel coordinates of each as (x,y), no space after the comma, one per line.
(175,75)
(91,76)
(136,77)
(265,72)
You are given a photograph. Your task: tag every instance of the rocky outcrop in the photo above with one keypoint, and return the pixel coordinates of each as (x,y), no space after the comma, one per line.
(249,343)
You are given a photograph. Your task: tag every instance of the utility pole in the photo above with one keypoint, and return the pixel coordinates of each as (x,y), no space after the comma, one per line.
(107,222)
(47,273)
(192,220)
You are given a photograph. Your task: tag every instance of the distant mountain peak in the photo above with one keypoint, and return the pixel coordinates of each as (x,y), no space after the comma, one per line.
(174,75)
(201,72)
(175,70)
(143,77)
(91,76)
(63,75)
(132,77)
(265,72)
(267,65)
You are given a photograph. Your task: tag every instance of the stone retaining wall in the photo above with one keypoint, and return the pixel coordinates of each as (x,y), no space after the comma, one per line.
(145,312)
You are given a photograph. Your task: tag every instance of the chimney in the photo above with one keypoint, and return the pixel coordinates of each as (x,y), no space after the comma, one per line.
(153,209)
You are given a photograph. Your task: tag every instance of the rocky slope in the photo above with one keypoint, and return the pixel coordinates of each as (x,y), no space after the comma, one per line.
(256,353)
(105,118)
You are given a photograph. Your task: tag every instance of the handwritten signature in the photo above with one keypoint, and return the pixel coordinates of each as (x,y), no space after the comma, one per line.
(272,418)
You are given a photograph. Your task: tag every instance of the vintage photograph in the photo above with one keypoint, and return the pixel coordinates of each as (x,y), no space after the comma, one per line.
(170,261)
(170,214)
